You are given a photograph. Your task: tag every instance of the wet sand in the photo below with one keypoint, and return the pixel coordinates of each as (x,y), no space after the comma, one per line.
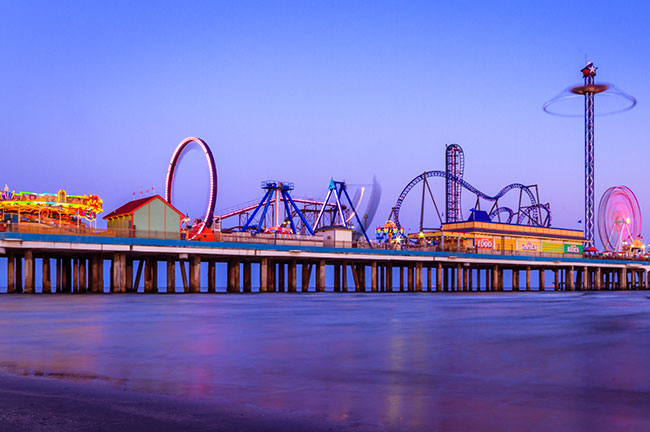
(59,404)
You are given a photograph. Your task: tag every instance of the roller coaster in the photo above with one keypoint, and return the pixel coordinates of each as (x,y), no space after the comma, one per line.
(533,214)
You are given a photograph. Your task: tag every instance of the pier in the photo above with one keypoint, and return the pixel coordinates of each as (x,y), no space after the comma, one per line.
(96,264)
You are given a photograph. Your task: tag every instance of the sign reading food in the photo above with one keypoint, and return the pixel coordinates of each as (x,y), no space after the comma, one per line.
(484,243)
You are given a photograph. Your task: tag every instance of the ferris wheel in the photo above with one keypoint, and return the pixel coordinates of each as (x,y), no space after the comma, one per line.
(619,218)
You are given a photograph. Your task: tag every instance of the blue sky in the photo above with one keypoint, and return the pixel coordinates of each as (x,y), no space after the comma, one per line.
(95,96)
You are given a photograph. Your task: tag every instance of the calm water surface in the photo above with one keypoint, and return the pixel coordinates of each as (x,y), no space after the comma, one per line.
(418,361)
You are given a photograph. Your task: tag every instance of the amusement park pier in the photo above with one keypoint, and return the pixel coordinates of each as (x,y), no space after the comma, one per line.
(79,263)
(292,244)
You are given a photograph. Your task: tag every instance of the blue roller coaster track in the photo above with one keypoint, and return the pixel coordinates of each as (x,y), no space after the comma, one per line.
(532,212)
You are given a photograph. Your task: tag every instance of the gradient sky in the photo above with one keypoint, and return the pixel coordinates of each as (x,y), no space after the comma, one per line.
(96,95)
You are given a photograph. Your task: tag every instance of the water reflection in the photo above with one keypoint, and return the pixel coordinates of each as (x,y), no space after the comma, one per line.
(394,361)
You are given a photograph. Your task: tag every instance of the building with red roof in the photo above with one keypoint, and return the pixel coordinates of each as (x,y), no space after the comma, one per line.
(150,217)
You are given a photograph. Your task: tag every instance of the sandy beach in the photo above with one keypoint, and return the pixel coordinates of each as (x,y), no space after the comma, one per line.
(56,404)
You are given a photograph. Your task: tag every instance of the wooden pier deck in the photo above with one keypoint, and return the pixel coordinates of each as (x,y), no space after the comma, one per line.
(78,264)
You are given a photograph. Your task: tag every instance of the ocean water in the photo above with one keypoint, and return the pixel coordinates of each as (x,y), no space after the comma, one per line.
(573,361)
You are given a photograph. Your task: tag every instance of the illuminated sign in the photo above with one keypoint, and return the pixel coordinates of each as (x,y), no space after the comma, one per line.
(484,243)
(572,248)
(527,246)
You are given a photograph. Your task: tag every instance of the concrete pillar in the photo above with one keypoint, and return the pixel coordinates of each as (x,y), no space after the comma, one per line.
(542,281)
(148,275)
(19,274)
(305,276)
(264,274)
(293,277)
(374,277)
(233,276)
(556,279)
(337,277)
(527,278)
(623,278)
(359,274)
(128,265)
(598,279)
(154,275)
(281,278)
(459,278)
(247,277)
(11,273)
(402,288)
(195,274)
(115,273)
(445,278)
(94,274)
(439,278)
(466,279)
(75,275)
(570,284)
(429,275)
(29,272)
(212,276)
(171,276)
(389,277)
(495,278)
(184,278)
(418,277)
(66,276)
(123,275)
(344,278)
(411,278)
(47,279)
(81,287)
(271,277)
(100,274)
(382,278)
(488,279)
(320,276)
(358,277)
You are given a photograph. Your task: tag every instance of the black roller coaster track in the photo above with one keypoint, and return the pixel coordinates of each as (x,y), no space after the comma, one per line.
(532,212)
